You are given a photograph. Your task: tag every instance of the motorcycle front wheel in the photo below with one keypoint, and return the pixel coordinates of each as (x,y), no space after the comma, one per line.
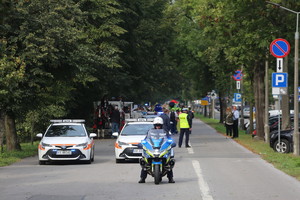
(157,177)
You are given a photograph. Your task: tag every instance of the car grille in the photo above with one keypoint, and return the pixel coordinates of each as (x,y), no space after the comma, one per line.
(63,147)
(129,152)
(75,153)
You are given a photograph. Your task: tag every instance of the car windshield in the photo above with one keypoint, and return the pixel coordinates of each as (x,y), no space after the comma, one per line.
(66,131)
(136,129)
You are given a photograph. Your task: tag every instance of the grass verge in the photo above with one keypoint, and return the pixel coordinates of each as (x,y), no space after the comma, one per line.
(288,163)
(7,158)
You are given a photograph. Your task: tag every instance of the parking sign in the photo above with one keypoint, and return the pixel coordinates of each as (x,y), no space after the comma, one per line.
(279,80)
(237,97)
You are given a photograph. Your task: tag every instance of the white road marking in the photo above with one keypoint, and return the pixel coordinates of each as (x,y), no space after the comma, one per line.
(190,150)
(204,189)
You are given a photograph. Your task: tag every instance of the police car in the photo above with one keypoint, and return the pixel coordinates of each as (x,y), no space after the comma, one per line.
(126,145)
(66,139)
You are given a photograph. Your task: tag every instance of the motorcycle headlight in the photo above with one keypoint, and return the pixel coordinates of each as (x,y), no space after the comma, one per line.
(84,145)
(156,152)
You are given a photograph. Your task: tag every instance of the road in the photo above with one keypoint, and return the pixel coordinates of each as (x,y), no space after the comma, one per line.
(215,168)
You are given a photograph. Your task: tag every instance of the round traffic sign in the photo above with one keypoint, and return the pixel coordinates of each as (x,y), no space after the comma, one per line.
(238,75)
(280,48)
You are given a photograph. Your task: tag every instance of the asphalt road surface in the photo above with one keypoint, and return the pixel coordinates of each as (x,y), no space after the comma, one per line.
(215,168)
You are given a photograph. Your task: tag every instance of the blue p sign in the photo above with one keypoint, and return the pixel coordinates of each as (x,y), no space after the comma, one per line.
(279,79)
(237,97)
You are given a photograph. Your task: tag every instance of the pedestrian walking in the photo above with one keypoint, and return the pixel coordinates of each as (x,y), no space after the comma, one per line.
(236,116)
(173,121)
(191,116)
(115,120)
(185,124)
(229,122)
(166,119)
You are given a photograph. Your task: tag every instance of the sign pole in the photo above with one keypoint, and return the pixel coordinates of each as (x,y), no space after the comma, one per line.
(280,48)
(279,143)
(213,108)
(296,84)
(242,103)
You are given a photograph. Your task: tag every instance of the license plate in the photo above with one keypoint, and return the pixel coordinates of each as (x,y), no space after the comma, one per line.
(59,152)
(137,150)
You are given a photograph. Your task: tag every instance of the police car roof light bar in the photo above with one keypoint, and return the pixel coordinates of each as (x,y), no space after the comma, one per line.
(67,121)
(140,120)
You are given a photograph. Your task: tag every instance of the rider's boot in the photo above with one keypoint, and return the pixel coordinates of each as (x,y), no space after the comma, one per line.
(171,180)
(142,180)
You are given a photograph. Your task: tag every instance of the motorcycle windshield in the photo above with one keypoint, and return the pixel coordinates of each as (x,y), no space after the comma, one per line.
(157,136)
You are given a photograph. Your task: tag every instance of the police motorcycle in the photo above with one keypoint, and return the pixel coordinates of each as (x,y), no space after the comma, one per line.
(158,154)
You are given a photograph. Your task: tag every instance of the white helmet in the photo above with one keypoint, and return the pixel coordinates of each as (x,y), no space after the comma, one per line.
(158,120)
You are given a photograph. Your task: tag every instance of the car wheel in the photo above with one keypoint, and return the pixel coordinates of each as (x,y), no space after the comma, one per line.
(42,162)
(92,158)
(283,147)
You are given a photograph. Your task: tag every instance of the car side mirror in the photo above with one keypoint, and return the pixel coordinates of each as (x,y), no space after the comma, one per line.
(92,135)
(115,134)
(39,135)
(140,146)
(173,145)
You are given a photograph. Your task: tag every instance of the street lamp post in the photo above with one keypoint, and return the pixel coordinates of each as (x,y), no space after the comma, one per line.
(296,81)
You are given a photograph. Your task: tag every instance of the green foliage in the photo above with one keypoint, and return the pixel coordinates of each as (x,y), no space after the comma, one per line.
(7,158)
(148,72)
(57,57)
(12,75)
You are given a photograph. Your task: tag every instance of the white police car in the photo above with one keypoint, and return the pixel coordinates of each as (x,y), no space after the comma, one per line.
(133,132)
(66,139)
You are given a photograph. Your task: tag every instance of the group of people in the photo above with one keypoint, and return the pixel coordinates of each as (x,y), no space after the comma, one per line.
(232,122)
(168,122)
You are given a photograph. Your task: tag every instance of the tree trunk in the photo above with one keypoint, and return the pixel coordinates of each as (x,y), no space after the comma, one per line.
(222,106)
(2,130)
(251,118)
(259,97)
(11,133)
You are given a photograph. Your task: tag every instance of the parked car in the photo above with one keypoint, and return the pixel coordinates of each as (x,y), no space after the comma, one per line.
(246,112)
(273,124)
(286,141)
(278,112)
(66,140)
(134,131)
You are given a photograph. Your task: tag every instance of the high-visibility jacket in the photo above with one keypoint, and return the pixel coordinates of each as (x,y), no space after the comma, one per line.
(183,120)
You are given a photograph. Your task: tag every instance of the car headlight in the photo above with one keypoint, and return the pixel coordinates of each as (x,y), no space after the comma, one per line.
(122,143)
(84,145)
(45,145)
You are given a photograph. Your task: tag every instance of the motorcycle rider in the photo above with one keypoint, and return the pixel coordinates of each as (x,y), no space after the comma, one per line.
(158,124)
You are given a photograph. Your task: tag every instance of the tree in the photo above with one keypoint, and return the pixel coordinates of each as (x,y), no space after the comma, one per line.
(39,59)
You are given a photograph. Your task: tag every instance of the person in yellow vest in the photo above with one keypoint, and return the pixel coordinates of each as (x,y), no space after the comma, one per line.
(185,125)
